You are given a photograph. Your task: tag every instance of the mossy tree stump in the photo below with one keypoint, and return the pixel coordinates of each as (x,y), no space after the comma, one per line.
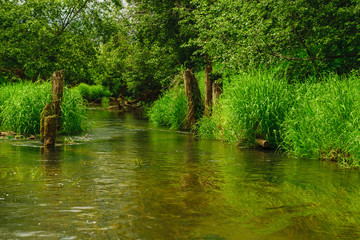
(216,91)
(57,90)
(50,118)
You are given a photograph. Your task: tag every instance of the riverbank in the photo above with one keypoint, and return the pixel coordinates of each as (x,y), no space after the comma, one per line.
(312,119)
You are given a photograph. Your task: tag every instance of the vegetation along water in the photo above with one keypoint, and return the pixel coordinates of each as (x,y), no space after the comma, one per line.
(279,77)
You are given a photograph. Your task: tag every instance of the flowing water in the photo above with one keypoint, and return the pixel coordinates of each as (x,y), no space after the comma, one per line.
(131,180)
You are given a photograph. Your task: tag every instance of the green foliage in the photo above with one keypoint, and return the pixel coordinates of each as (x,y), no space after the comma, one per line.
(170,109)
(22,103)
(39,37)
(92,93)
(307,37)
(324,122)
(105,102)
(252,105)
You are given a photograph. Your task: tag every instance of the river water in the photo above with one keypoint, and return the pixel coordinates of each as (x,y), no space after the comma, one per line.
(131,180)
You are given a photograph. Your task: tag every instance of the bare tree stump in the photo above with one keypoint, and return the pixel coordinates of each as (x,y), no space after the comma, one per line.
(194,102)
(57,89)
(50,131)
(208,90)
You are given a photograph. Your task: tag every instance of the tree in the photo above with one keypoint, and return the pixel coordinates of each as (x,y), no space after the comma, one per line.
(304,36)
(38,37)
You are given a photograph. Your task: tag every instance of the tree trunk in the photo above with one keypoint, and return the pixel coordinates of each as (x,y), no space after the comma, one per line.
(50,118)
(208,90)
(50,131)
(47,111)
(217,91)
(57,89)
(194,101)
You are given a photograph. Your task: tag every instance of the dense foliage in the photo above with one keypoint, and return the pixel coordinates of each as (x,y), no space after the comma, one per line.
(308,37)
(39,37)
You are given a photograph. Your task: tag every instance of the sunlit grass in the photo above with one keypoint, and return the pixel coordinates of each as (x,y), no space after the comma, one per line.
(22,103)
(252,106)
(170,109)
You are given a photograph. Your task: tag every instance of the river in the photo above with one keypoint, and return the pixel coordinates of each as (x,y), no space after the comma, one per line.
(130,180)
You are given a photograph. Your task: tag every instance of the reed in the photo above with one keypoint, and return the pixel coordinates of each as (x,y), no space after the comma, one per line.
(316,118)
(170,109)
(252,106)
(93,93)
(22,103)
(324,122)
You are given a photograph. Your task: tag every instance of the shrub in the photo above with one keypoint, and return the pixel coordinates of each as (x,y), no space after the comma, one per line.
(93,93)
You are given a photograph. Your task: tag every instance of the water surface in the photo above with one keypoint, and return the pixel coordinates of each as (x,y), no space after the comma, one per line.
(131,180)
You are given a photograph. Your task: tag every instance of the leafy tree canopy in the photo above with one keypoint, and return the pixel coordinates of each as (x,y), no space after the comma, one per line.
(38,37)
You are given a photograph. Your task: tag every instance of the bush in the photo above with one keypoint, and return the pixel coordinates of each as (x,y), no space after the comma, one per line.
(93,93)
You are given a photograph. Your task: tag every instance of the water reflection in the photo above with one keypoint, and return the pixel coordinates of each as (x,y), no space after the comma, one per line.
(130,180)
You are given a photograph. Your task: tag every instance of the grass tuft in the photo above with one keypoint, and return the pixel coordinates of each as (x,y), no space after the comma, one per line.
(22,103)
(170,109)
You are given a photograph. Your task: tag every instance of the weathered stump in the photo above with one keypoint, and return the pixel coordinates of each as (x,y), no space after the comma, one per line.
(57,89)
(50,118)
(194,102)
(208,90)
(50,131)
(47,111)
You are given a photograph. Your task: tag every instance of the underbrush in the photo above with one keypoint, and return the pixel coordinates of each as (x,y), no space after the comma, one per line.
(93,93)
(22,103)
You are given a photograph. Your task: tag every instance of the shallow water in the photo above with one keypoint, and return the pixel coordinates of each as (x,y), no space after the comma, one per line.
(131,180)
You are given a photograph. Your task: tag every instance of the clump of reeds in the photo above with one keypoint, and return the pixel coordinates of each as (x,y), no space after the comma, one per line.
(252,106)
(21,105)
(170,109)
(325,120)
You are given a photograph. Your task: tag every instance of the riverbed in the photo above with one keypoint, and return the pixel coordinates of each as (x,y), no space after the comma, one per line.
(127,179)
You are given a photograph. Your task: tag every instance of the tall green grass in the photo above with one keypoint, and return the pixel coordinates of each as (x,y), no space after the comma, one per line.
(22,103)
(325,120)
(170,109)
(252,106)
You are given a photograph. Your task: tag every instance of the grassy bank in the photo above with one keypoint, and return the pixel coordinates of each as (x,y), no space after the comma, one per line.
(315,119)
(22,103)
